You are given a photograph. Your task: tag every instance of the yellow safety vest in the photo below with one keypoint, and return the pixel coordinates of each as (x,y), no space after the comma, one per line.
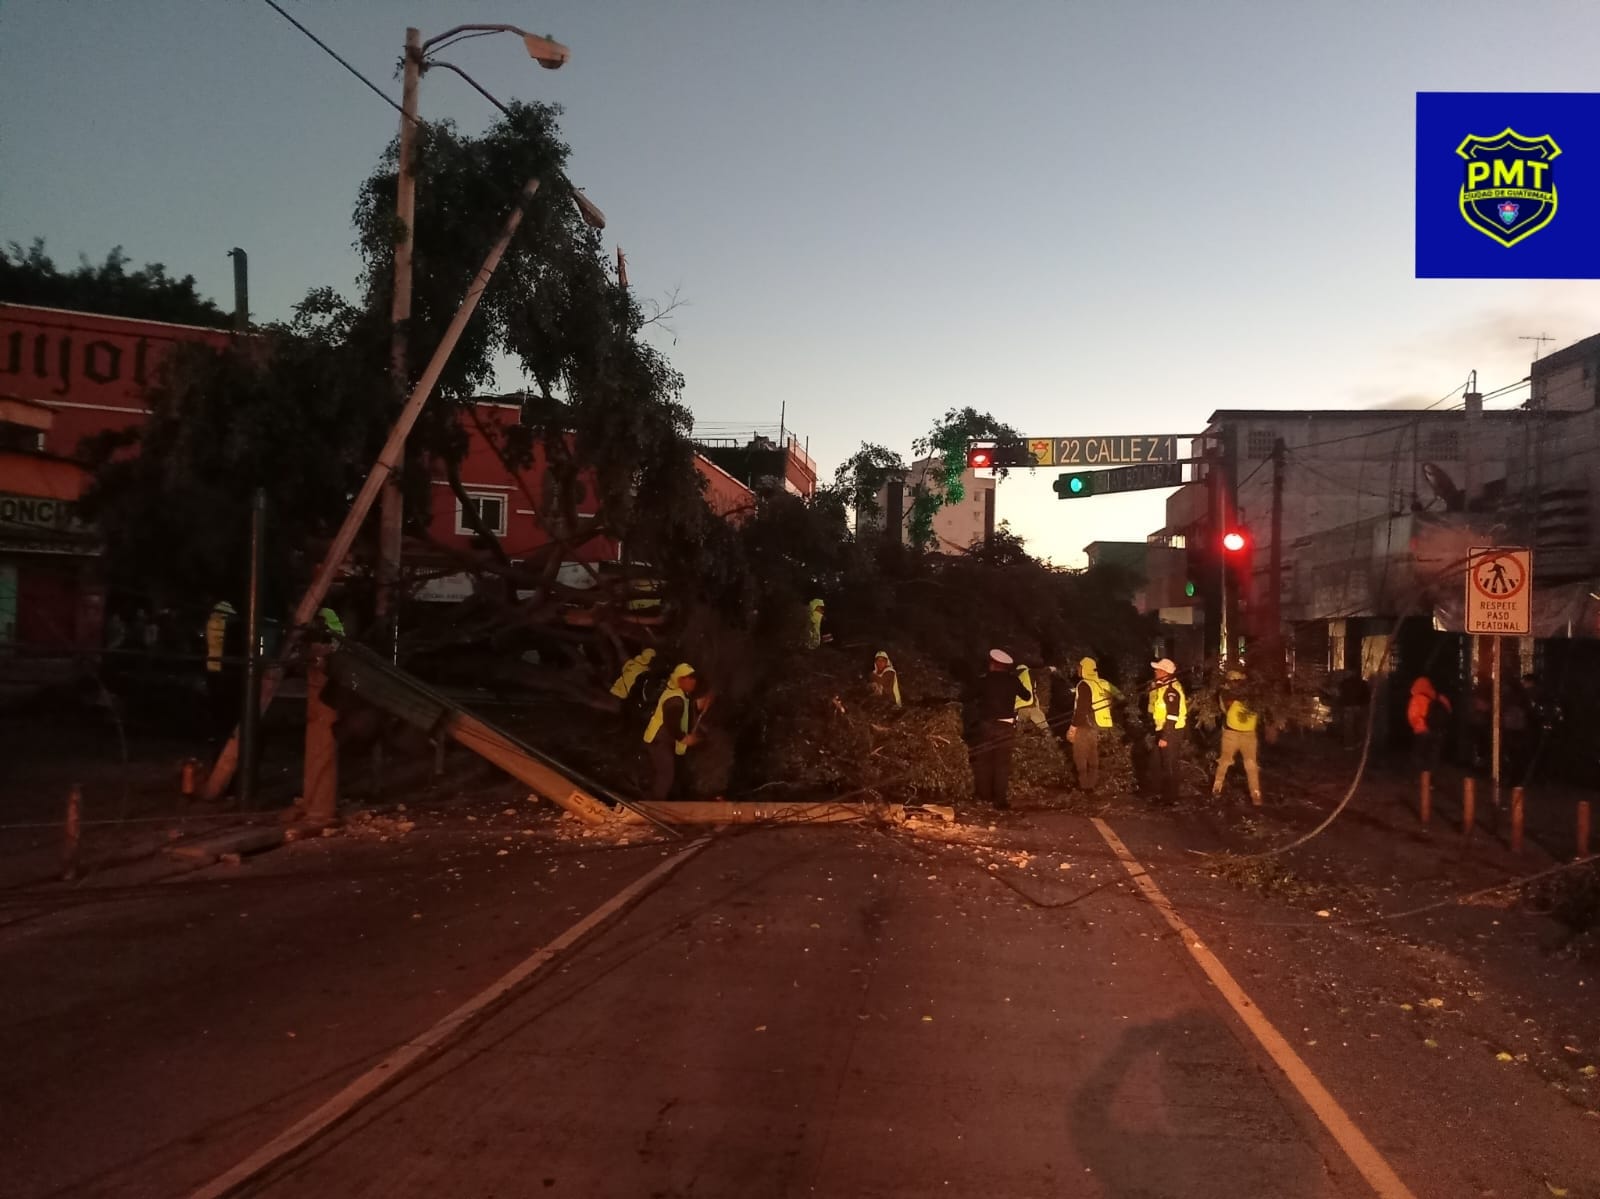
(660,717)
(894,680)
(1100,693)
(1027,681)
(1158,705)
(631,670)
(1241,717)
(216,638)
(814,630)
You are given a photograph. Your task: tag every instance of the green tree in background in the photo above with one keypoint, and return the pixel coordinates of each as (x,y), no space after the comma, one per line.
(28,275)
(602,400)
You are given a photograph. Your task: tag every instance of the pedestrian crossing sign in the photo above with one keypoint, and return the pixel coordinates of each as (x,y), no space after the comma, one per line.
(1499,590)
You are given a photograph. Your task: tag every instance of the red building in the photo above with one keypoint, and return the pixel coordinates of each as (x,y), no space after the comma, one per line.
(511,502)
(64,376)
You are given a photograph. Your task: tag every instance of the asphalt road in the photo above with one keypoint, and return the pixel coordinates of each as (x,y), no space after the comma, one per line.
(834,1013)
(815,1011)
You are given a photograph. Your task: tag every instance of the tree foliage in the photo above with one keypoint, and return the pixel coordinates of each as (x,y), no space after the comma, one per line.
(304,411)
(606,404)
(301,420)
(861,476)
(28,275)
(946,445)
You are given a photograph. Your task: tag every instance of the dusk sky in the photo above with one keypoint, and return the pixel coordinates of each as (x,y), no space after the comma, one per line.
(1085,217)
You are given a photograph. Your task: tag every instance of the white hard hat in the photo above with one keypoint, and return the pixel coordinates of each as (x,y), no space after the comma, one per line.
(1165,666)
(1000,656)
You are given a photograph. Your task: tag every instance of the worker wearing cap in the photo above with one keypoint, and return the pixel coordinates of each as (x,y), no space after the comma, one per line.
(1239,738)
(669,733)
(814,636)
(885,678)
(1028,709)
(631,670)
(1169,711)
(224,635)
(217,627)
(993,728)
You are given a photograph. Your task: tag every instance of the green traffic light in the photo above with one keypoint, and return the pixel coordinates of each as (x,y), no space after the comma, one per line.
(1188,590)
(1071,487)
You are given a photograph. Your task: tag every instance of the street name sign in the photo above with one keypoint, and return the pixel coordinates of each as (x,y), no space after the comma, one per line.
(1131,449)
(1142,478)
(1080,484)
(1500,590)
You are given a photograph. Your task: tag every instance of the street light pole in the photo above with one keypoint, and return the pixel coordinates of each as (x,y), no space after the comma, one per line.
(391,511)
(549,54)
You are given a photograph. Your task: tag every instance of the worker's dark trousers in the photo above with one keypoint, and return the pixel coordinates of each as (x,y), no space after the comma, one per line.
(991,761)
(1086,756)
(223,690)
(663,767)
(1169,763)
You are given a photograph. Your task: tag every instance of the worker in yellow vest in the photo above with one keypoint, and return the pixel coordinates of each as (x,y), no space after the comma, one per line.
(1169,712)
(1239,737)
(670,733)
(1029,710)
(885,678)
(217,634)
(631,670)
(329,625)
(816,610)
(222,678)
(1091,712)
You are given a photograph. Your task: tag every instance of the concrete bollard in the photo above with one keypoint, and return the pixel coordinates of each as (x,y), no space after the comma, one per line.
(1425,809)
(72,833)
(1583,828)
(1516,819)
(1469,806)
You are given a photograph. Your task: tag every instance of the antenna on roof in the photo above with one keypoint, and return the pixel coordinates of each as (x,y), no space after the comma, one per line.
(1539,340)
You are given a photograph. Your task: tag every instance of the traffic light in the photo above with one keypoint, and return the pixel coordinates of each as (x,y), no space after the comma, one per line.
(1074,485)
(1237,552)
(1009,453)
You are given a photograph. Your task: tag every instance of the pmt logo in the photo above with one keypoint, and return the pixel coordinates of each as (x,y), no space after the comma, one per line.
(1509,191)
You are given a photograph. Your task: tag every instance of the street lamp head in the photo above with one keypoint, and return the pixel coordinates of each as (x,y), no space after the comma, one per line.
(546,51)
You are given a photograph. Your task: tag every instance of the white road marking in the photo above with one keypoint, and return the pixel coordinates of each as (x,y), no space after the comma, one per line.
(393,1067)
(1361,1152)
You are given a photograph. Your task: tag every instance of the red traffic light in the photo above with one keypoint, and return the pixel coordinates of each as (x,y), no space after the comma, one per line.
(1233,541)
(980,457)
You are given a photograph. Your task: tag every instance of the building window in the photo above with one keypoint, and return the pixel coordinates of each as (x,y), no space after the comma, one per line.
(491,511)
(1443,445)
(1259,444)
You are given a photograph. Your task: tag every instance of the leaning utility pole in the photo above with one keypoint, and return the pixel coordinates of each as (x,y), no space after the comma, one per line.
(388,464)
(392,511)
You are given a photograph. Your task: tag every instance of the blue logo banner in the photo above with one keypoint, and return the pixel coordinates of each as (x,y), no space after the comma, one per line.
(1508,185)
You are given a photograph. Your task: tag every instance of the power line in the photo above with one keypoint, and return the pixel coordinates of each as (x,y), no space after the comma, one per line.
(337,57)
